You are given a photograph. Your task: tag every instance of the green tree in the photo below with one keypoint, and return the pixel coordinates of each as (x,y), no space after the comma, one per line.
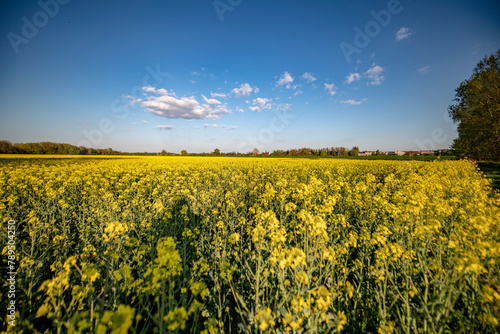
(6,147)
(216,152)
(477,111)
(184,152)
(354,151)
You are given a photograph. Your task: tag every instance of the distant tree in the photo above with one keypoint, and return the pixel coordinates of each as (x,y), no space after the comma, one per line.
(216,152)
(73,150)
(304,151)
(477,111)
(184,152)
(163,152)
(6,147)
(354,151)
(255,152)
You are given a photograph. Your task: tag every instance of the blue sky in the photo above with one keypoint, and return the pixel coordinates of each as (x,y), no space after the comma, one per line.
(238,74)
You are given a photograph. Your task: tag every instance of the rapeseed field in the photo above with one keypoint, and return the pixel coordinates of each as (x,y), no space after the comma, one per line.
(227,245)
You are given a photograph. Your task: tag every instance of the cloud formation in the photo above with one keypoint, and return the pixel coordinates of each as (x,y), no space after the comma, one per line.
(309,77)
(260,103)
(332,90)
(218,95)
(403,33)
(286,79)
(424,69)
(244,90)
(163,103)
(353,102)
(352,77)
(164,127)
(375,75)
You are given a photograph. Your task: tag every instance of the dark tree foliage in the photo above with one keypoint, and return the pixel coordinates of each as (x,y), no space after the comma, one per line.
(477,112)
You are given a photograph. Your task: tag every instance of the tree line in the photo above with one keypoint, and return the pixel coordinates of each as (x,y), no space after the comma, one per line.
(323,152)
(6,147)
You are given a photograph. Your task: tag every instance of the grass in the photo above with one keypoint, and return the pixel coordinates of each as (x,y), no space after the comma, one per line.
(492,171)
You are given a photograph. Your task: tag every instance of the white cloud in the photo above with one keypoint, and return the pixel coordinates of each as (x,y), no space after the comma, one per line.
(283,106)
(216,126)
(164,127)
(285,79)
(353,102)
(162,103)
(260,103)
(133,100)
(298,92)
(375,75)
(331,88)
(403,33)
(211,102)
(352,77)
(219,95)
(424,69)
(144,122)
(308,76)
(244,90)
(194,73)
(238,109)
(149,89)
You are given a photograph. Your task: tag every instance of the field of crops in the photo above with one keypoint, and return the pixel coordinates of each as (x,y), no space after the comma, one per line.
(227,245)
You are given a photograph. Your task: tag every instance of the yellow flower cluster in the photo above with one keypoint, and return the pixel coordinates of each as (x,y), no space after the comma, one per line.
(209,245)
